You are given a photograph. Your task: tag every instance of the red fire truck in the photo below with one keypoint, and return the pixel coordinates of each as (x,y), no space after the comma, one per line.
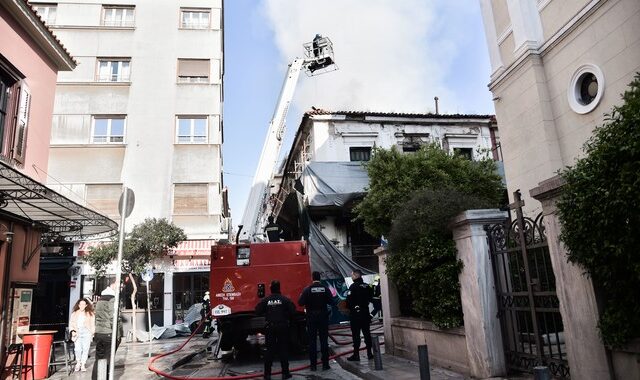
(240,277)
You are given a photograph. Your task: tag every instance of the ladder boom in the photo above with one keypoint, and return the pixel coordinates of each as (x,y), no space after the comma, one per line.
(268,158)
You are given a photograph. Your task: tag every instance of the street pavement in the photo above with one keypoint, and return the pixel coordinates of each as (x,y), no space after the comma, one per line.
(132,361)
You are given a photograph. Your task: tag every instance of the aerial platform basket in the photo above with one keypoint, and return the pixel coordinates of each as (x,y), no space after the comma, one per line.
(319,55)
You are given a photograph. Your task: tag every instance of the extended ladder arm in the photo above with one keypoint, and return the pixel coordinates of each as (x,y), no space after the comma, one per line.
(253,212)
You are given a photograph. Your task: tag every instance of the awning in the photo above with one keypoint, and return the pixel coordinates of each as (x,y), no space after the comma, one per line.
(192,254)
(57,216)
(192,249)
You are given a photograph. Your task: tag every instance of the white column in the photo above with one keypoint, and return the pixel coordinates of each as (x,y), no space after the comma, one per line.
(477,291)
(491,35)
(168,298)
(586,353)
(526,24)
(389,298)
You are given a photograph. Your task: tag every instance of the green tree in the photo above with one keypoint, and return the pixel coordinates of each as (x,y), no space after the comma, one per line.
(600,213)
(394,176)
(146,241)
(411,200)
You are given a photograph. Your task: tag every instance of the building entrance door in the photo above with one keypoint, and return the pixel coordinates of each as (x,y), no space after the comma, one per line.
(188,289)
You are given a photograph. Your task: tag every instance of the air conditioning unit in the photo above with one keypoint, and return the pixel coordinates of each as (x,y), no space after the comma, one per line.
(224,225)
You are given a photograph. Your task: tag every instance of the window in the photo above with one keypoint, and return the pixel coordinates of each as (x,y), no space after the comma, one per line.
(118,16)
(7,99)
(195,18)
(47,12)
(190,199)
(360,153)
(193,70)
(15,106)
(586,88)
(104,198)
(108,130)
(191,129)
(464,152)
(113,70)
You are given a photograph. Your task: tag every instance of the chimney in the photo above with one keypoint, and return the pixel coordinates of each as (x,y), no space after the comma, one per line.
(436,99)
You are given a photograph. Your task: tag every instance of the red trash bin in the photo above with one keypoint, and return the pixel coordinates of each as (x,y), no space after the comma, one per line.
(41,342)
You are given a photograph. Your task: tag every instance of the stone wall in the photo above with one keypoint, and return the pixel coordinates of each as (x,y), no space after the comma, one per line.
(447,348)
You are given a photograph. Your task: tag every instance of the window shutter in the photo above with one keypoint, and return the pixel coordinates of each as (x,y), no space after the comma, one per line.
(193,68)
(20,138)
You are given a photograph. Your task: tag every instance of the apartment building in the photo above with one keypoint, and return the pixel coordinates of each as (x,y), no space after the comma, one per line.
(143,110)
(32,215)
(324,171)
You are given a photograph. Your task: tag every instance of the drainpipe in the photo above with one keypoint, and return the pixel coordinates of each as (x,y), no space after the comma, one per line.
(6,296)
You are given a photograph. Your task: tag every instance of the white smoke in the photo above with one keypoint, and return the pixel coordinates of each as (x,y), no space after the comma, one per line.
(393,55)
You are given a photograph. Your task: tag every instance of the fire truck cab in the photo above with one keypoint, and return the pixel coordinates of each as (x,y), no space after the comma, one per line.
(240,277)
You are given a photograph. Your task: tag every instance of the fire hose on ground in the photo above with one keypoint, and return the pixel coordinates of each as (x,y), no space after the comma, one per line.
(247,376)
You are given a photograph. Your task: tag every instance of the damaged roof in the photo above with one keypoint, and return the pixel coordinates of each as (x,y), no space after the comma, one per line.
(319,111)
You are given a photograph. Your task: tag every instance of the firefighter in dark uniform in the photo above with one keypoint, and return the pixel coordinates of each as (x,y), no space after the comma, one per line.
(205,313)
(277,311)
(358,299)
(273,230)
(316,298)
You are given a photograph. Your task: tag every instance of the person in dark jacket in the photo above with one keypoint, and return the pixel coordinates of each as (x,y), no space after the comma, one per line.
(277,311)
(273,230)
(104,324)
(358,299)
(377,298)
(317,299)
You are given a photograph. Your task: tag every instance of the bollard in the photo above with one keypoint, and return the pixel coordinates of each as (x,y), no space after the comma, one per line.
(541,373)
(377,356)
(423,358)
(102,369)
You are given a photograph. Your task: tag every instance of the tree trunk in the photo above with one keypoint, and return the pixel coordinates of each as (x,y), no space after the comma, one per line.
(134,307)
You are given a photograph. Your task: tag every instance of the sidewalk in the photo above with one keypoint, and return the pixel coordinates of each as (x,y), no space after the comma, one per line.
(395,368)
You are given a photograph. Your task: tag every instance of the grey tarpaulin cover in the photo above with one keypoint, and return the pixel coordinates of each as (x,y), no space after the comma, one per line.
(334,183)
(327,259)
(330,184)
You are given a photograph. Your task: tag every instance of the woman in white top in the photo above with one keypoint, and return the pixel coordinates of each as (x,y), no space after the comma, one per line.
(82,326)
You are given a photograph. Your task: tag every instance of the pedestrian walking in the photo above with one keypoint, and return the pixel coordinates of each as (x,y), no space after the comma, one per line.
(104,324)
(82,327)
(376,301)
(317,299)
(277,311)
(358,300)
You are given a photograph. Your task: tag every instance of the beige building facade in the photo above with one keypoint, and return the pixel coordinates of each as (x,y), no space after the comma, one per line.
(558,67)
(543,54)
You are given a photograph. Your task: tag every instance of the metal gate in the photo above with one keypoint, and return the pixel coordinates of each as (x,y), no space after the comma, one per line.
(532,329)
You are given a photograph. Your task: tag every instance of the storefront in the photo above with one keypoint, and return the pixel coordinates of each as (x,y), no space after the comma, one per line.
(33,217)
(180,280)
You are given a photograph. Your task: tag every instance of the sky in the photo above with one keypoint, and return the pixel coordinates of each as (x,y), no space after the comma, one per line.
(393,56)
